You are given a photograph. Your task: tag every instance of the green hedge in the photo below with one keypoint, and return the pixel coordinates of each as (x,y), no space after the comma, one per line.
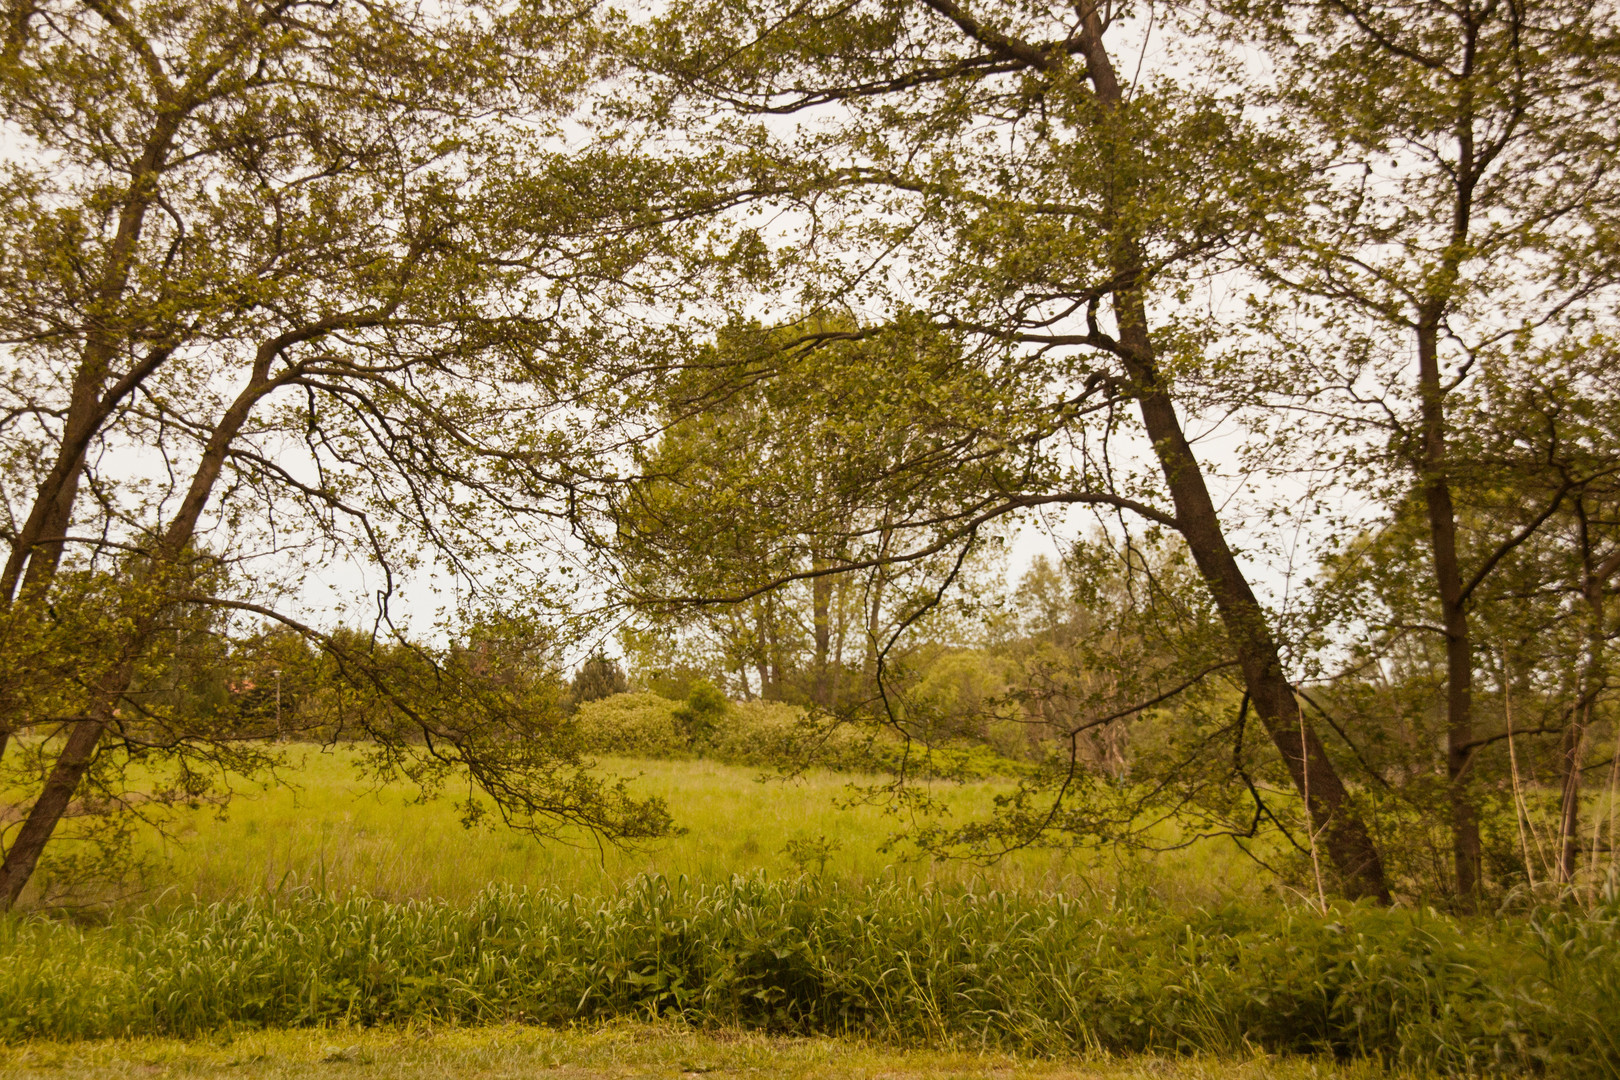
(906,963)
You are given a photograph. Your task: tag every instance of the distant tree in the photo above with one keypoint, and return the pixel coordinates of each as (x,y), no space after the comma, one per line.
(754,528)
(598,677)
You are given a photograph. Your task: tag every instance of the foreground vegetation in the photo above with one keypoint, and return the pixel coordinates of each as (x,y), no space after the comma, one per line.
(910,965)
(340,920)
(614,1050)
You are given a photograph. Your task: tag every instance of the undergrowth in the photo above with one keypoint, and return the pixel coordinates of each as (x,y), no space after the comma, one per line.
(911,964)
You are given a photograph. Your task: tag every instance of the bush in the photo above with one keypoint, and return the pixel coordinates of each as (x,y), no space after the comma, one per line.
(701,713)
(631,725)
(758,733)
(769,735)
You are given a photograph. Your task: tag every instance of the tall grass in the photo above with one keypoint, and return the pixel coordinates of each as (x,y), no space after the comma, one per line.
(906,962)
(334,832)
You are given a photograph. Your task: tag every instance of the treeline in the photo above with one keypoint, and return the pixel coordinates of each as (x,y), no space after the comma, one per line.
(751,328)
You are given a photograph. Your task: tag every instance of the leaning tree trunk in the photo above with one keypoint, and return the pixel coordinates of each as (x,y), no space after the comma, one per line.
(36,550)
(79,752)
(69,769)
(1345,839)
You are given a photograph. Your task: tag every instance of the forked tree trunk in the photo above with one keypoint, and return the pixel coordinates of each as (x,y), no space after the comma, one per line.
(79,752)
(37,548)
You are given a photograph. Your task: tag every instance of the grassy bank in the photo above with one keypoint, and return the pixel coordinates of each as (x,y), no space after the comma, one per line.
(906,965)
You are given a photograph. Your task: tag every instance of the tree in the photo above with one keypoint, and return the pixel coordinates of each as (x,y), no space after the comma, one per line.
(288,285)
(757,521)
(1028,184)
(598,677)
(1541,435)
(1462,236)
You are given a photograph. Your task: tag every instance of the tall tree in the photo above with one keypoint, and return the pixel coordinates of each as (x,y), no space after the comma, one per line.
(1053,212)
(1464,229)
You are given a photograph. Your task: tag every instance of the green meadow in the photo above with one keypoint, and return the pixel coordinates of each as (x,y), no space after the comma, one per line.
(333,832)
(331,923)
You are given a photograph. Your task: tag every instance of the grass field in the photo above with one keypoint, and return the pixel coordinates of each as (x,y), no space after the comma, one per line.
(360,932)
(334,833)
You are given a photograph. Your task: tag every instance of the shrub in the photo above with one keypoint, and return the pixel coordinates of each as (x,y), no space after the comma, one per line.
(631,725)
(769,734)
(701,713)
(766,734)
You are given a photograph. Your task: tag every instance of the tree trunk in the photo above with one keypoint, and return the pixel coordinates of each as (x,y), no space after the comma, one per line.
(762,663)
(1453,615)
(773,643)
(71,765)
(821,588)
(37,550)
(1593,677)
(1345,839)
(1569,815)
(840,623)
(874,606)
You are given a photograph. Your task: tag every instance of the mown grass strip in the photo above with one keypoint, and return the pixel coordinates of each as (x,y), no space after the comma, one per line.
(621,1049)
